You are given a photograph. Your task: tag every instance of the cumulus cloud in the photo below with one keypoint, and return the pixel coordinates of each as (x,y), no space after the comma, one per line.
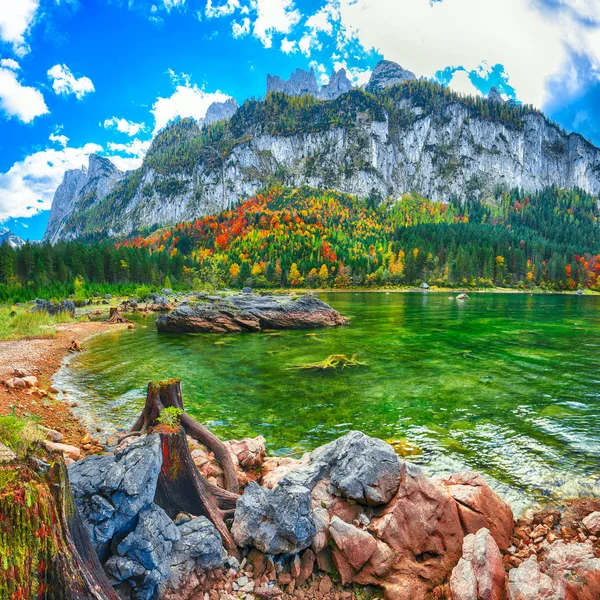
(9,63)
(18,100)
(288,46)
(134,154)
(64,82)
(186,101)
(124,126)
(274,16)
(16,18)
(532,39)
(461,83)
(63,140)
(29,185)
(240,29)
(221,10)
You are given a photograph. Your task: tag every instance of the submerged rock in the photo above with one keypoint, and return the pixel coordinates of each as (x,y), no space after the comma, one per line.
(247,312)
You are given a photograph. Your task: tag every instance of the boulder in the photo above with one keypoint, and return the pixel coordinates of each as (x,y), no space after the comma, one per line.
(592,522)
(199,548)
(527,582)
(359,467)
(67,450)
(275,521)
(480,507)
(143,558)
(479,574)
(15,383)
(575,568)
(421,535)
(352,547)
(275,468)
(250,452)
(247,312)
(110,490)
(54,308)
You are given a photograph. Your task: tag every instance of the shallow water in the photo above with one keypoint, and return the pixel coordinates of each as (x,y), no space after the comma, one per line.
(505,384)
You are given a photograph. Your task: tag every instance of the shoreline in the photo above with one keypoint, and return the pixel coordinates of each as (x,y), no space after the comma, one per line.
(43,357)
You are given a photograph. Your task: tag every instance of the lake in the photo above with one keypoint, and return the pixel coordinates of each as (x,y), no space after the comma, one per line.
(504,384)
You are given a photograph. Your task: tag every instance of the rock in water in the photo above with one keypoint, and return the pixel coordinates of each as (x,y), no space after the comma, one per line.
(387,73)
(111,490)
(479,574)
(247,312)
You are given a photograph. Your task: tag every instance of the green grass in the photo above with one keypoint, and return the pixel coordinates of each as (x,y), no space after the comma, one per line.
(19,434)
(17,323)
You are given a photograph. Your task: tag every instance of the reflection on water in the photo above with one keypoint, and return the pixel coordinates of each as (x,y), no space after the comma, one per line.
(504,384)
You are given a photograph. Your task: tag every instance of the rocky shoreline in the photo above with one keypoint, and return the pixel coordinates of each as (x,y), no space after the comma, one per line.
(343,522)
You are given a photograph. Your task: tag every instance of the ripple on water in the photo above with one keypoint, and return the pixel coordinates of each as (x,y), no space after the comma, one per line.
(505,384)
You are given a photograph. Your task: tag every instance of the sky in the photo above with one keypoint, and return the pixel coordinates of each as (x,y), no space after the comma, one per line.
(103,76)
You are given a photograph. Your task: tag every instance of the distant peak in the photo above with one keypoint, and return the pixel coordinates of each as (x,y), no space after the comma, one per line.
(387,73)
(495,95)
(303,82)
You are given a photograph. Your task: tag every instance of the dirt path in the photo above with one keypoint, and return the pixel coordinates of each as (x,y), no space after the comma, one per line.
(43,357)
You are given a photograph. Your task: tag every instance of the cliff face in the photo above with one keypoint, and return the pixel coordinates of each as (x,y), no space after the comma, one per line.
(80,190)
(441,148)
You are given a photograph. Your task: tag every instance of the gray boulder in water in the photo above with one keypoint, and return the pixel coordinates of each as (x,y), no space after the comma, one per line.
(110,490)
(248,312)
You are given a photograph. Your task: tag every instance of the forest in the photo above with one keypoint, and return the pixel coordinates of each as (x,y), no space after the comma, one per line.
(309,238)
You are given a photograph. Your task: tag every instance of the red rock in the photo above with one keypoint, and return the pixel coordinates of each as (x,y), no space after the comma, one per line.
(576,568)
(15,383)
(295,566)
(325,561)
(249,452)
(479,574)
(480,507)
(421,526)
(258,560)
(284,578)
(326,585)
(527,582)
(307,562)
(274,468)
(67,450)
(592,522)
(355,544)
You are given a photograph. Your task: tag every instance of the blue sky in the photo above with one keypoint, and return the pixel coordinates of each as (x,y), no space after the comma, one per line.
(81,76)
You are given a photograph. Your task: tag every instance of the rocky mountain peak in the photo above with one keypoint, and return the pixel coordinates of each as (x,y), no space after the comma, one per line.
(218,111)
(300,82)
(387,73)
(6,235)
(338,84)
(495,95)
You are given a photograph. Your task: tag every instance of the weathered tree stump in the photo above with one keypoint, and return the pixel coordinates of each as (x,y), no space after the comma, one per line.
(181,487)
(165,394)
(115,317)
(45,548)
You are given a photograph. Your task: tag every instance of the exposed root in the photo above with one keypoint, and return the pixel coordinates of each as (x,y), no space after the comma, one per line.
(334,361)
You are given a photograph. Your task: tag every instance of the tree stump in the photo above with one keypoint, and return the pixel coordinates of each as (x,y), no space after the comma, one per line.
(115,317)
(45,548)
(165,394)
(181,487)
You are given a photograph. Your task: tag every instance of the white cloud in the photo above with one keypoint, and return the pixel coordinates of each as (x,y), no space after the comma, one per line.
(171,4)
(530,40)
(9,63)
(240,29)
(16,18)
(124,126)
(134,151)
(17,100)
(187,101)
(64,82)
(221,10)
(274,16)
(63,140)
(288,46)
(29,185)
(461,83)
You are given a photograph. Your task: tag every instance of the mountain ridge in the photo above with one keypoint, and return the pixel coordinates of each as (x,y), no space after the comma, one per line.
(415,136)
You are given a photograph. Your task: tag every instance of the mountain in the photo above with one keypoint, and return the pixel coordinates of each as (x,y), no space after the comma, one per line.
(6,235)
(303,82)
(386,74)
(80,190)
(218,111)
(415,136)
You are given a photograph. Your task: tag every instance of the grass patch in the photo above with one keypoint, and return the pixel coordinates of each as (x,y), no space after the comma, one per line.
(17,323)
(18,433)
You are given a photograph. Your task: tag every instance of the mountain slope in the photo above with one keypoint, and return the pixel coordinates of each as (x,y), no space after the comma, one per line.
(14,241)
(415,136)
